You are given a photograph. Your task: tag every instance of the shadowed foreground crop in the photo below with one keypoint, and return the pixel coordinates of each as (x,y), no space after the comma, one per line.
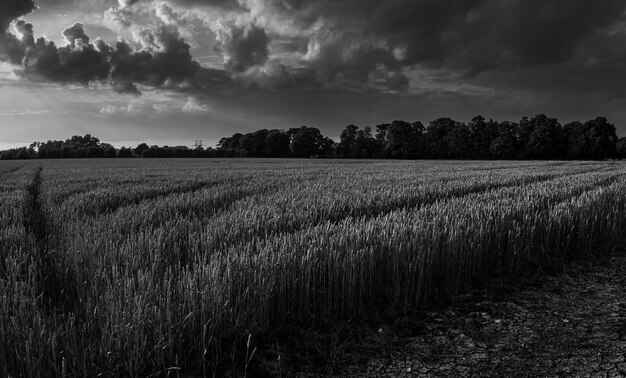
(154,267)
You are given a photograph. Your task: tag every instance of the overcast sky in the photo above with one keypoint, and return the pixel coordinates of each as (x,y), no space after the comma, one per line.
(171,72)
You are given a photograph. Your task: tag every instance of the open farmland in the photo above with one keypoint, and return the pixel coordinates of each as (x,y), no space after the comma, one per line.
(156,266)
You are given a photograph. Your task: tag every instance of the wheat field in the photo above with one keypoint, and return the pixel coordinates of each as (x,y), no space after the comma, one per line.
(133,268)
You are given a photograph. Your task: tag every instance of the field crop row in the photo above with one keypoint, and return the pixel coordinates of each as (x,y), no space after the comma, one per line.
(136,268)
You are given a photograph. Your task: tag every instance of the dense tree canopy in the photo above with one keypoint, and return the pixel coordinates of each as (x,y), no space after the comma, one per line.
(539,137)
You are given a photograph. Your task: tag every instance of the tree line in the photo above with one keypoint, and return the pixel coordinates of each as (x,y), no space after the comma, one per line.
(536,138)
(88,146)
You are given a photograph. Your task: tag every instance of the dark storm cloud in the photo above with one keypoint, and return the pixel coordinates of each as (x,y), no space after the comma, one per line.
(10,47)
(78,62)
(356,44)
(596,70)
(363,41)
(12,9)
(126,87)
(243,46)
(336,55)
(357,38)
(483,35)
(171,61)
(480,34)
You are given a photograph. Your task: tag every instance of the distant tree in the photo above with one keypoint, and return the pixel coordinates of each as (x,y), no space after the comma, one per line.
(327,147)
(358,144)
(602,139)
(309,142)
(151,152)
(576,138)
(524,130)
(199,152)
(401,140)
(482,133)
(544,141)
(460,143)
(231,147)
(86,141)
(365,146)
(621,148)
(381,137)
(90,152)
(441,138)
(22,153)
(504,146)
(208,152)
(230,143)
(348,142)
(254,143)
(381,132)
(140,149)
(124,153)
(108,151)
(277,144)
(179,152)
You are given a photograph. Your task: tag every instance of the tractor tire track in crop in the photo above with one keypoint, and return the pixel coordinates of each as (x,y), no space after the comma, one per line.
(90,207)
(118,203)
(196,187)
(416,202)
(9,171)
(34,218)
(36,224)
(219,205)
(57,289)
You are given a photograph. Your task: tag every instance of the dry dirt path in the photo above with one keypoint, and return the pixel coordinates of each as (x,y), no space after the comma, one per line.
(569,324)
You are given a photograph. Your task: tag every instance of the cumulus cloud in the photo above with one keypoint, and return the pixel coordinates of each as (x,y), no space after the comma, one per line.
(133,109)
(197,28)
(170,106)
(25,30)
(168,15)
(193,106)
(112,109)
(164,57)
(120,20)
(126,3)
(74,33)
